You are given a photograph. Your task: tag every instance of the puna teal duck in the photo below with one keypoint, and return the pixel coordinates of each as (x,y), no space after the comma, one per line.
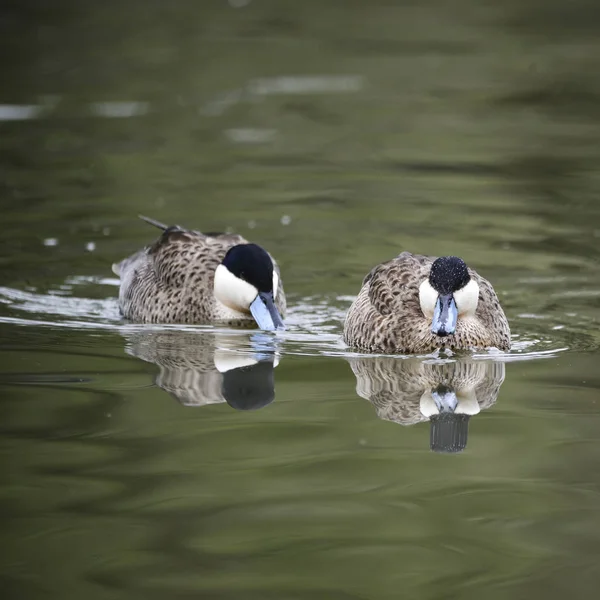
(187,276)
(418,304)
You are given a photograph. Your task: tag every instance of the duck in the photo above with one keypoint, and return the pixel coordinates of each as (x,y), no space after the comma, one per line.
(419,304)
(190,277)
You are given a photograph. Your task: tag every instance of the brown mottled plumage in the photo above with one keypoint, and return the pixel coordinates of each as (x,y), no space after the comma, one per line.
(395,386)
(387,317)
(171,280)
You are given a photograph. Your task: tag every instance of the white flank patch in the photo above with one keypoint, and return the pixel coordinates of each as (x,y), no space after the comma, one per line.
(233,292)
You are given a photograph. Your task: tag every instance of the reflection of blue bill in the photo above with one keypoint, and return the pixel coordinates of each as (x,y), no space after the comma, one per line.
(264,347)
(262,340)
(446,401)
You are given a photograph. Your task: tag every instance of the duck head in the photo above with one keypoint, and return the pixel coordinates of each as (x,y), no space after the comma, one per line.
(448,294)
(246,282)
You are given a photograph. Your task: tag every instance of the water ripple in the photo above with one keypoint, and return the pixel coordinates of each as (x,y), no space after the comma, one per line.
(314,323)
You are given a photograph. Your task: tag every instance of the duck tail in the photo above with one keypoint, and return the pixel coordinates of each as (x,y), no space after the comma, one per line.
(153,222)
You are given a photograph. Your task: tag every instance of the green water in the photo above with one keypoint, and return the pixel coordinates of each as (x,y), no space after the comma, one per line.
(336,134)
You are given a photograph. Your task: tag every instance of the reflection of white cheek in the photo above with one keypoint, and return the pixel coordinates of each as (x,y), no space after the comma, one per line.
(467,404)
(225,360)
(427,405)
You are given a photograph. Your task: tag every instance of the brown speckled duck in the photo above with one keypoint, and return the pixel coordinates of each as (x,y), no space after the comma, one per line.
(418,304)
(190,277)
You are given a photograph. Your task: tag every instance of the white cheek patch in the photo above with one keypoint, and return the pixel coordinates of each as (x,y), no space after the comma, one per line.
(275,284)
(232,291)
(467,299)
(427,298)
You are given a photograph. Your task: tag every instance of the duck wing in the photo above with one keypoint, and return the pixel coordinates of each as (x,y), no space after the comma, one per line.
(162,274)
(181,256)
(394,285)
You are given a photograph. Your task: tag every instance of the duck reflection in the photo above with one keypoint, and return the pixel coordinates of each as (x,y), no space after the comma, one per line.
(448,394)
(200,368)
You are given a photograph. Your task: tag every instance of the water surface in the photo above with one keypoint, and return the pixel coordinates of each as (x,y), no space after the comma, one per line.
(203,462)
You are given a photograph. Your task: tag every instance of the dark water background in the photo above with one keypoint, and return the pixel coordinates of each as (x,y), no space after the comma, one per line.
(336,134)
